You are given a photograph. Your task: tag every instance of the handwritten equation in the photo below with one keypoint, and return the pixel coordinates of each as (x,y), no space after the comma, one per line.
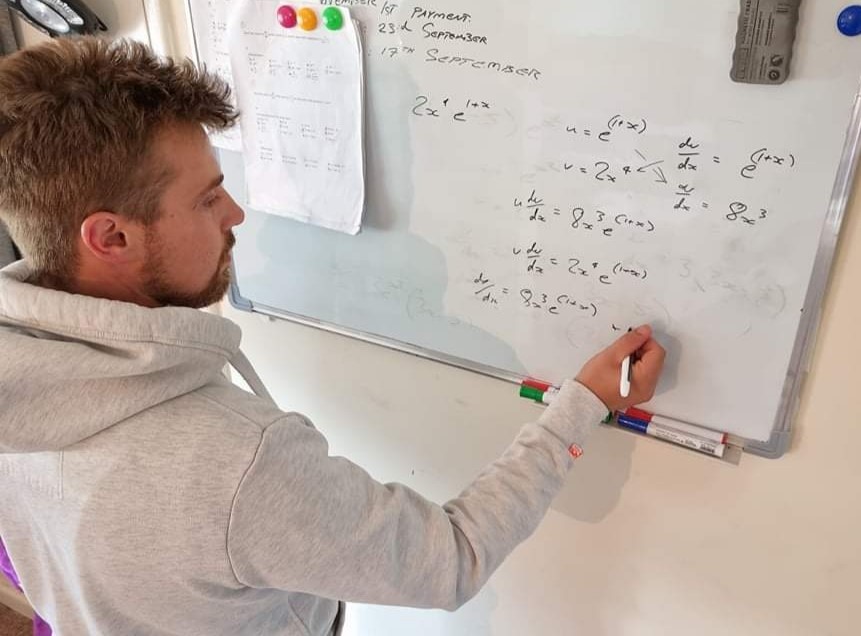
(613,180)
(680,177)
(489,292)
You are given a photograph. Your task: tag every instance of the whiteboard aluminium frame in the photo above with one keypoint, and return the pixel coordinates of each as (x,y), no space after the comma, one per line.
(781,437)
(805,339)
(779,443)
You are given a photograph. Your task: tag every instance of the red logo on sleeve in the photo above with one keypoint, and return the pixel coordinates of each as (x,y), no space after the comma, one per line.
(575,451)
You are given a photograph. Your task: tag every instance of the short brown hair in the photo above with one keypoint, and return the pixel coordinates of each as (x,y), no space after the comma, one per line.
(77,121)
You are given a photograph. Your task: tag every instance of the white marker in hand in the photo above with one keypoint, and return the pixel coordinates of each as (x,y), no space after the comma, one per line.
(625,376)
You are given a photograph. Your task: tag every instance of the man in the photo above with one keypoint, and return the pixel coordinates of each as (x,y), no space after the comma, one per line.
(142,492)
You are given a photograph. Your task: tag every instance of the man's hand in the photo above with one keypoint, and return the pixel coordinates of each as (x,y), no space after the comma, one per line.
(601,374)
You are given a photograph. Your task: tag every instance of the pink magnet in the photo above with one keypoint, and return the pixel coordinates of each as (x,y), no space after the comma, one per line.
(287,16)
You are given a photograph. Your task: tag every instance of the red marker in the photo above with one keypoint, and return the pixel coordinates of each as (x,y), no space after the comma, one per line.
(537,384)
(699,431)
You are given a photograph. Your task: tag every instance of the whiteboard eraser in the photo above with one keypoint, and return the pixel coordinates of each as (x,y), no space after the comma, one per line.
(764,41)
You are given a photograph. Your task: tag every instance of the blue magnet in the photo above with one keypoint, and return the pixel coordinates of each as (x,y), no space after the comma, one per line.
(849,20)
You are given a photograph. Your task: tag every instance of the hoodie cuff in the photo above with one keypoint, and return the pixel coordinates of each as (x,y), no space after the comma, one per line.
(574,414)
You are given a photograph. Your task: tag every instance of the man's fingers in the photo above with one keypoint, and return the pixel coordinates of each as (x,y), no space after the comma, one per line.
(651,356)
(632,341)
(647,369)
(651,348)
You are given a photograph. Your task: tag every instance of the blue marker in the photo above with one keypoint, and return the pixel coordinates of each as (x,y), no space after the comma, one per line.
(632,424)
(668,434)
(849,20)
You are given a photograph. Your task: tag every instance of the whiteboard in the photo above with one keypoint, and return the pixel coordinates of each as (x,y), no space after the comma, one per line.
(542,176)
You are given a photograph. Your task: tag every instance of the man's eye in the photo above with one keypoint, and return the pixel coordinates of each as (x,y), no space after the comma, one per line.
(210,201)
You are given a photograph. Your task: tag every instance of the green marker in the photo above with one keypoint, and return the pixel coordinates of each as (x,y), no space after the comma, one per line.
(333,18)
(531,393)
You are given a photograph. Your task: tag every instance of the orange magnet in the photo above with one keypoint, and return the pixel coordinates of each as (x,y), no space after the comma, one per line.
(307,19)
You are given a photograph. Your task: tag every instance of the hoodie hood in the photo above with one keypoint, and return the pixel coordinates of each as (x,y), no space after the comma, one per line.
(72,366)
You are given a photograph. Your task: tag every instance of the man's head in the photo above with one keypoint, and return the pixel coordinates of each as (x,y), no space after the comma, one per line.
(107,179)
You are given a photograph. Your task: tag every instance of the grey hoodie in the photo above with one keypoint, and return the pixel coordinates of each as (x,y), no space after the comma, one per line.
(143,493)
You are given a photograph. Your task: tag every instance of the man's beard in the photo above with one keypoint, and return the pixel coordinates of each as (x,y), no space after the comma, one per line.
(157,287)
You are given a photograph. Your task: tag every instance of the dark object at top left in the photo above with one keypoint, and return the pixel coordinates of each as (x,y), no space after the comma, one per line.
(58,18)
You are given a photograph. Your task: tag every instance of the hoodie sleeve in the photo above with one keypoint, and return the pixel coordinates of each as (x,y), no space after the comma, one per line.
(306,522)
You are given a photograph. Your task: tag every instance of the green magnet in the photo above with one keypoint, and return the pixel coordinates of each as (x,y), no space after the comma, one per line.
(333,18)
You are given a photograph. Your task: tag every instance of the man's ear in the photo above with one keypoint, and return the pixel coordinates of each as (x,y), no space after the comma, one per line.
(112,238)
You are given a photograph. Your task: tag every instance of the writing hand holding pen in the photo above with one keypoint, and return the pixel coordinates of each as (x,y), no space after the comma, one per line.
(601,373)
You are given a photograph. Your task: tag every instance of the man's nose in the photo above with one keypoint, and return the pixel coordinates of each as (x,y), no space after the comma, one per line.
(237,214)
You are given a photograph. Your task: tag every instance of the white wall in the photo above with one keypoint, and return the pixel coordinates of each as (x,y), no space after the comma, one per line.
(646,538)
